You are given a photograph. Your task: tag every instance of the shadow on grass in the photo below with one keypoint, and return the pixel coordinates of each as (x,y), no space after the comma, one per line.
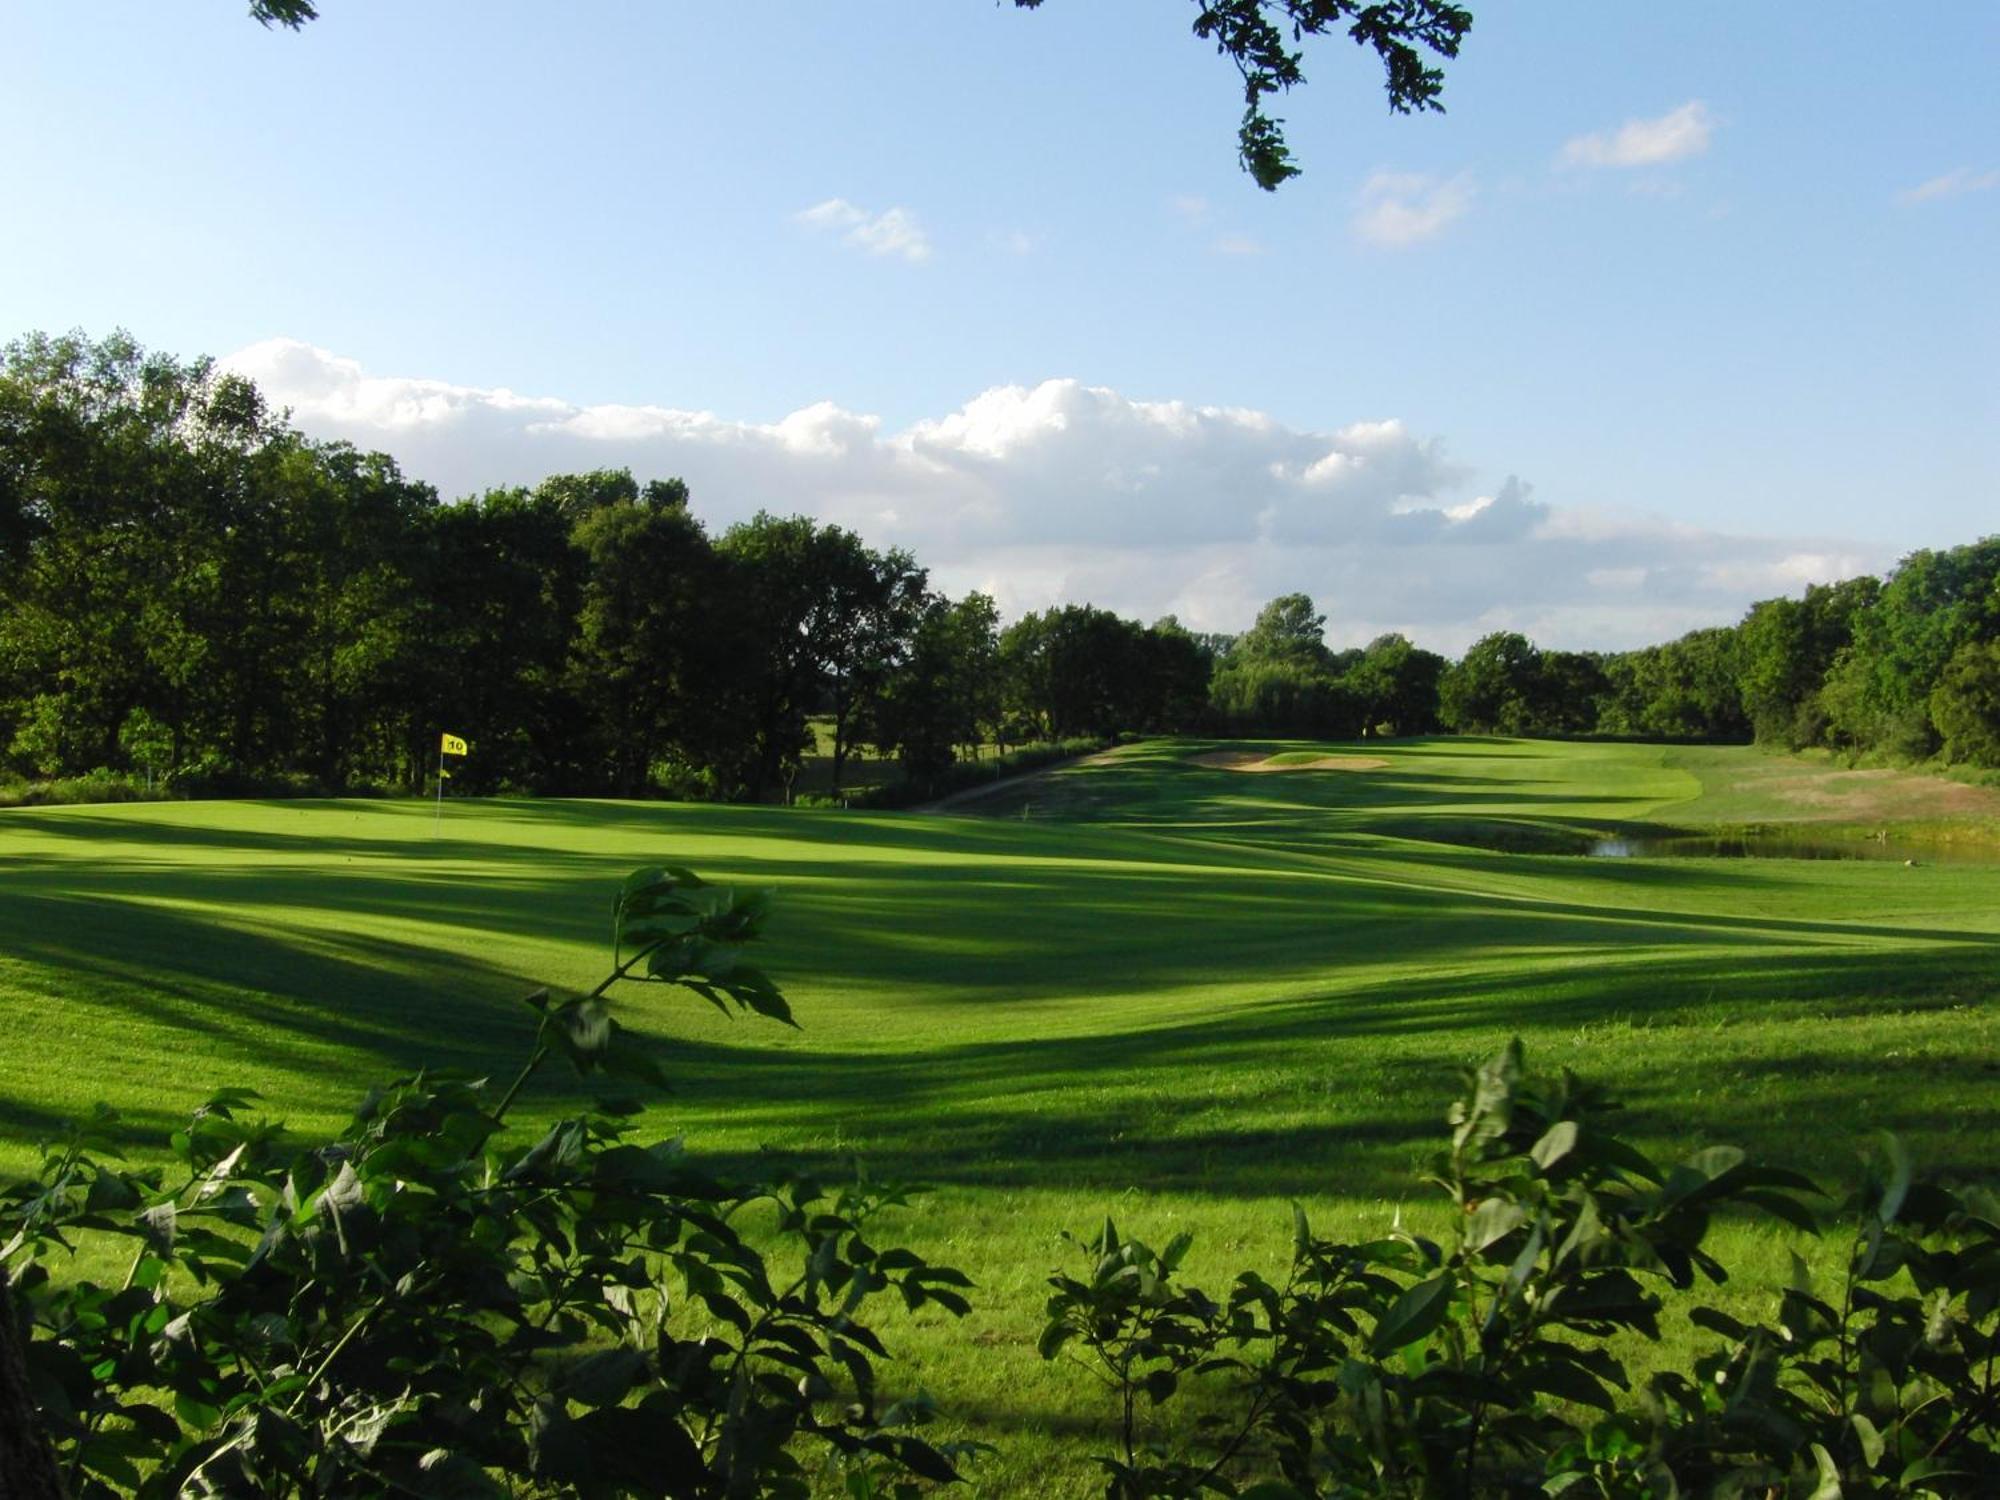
(1379,986)
(1344,1092)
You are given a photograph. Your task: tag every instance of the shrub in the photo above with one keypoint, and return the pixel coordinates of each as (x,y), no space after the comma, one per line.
(419,1306)
(963,775)
(218,776)
(1487,1365)
(100,785)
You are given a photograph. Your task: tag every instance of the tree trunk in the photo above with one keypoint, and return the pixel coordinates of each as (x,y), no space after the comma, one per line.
(27,1462)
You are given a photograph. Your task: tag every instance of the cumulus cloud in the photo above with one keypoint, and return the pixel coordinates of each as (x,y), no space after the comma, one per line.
(1952,185)
(1677,134)
(1067,492)
(1404,208)
(893,232)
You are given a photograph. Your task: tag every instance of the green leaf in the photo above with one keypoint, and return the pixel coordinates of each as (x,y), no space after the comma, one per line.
(1898,1184)
(1414,1316)
(626,1059)
(1493,1220)
(196,1415)
(1781,1206)
(1485,1115)
(603,1379)
(1567,1382)
(1871,1440)
(1829,1476)
(1714,1161)
(1556,1143)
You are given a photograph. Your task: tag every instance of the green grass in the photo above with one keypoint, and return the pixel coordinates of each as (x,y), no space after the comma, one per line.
(1180,994)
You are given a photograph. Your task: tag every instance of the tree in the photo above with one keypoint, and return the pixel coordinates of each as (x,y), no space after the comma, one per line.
(1262,696)
(1177,665)
(1092,654)
(870,605)
(644,638)
(1288,629)
(1965,705)
(1397,685)
(499,593)
(824,621)
(1252,35)
(1492,688)
(944,694)
(1569,693)
(1929,607)
(126,480)
(1280,678)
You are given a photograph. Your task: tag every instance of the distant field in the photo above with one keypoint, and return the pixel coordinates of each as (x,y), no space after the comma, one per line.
(1147,985)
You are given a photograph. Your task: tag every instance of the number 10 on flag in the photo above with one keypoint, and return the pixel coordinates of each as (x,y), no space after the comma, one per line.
(448,744)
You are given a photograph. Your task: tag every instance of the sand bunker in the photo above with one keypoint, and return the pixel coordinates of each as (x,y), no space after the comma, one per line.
(1250,760)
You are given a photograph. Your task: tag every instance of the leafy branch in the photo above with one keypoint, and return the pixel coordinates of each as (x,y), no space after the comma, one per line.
(418,1306)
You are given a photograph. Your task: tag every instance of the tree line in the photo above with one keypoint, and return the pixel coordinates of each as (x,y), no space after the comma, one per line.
(1905,667)
(194,590)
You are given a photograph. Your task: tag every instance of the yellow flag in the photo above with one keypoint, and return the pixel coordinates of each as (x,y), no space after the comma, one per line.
(452,745)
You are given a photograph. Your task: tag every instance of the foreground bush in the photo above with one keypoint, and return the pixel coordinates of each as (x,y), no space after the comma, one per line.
(1488,1366)
(417,1307)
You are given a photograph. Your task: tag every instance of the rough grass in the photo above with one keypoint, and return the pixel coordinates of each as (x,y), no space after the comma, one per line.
(1777,789)
(1171,992)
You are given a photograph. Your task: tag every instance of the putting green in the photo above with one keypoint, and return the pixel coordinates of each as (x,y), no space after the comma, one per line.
(1157,987)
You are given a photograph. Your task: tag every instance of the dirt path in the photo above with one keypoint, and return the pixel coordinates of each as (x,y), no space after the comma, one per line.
(1041,773)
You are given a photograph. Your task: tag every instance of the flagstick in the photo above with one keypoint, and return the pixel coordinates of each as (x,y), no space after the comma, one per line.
(437,821)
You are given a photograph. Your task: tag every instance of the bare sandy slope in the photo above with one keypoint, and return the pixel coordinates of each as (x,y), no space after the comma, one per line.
(1250,760)
(1739,786)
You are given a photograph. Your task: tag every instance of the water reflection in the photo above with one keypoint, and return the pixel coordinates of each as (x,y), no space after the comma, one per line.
(1663,843)
(1785,846)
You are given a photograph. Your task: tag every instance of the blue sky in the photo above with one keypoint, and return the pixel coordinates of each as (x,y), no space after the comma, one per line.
(1676,307)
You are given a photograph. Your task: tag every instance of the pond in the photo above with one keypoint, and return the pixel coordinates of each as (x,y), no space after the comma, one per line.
(1786,846)
(1662,843)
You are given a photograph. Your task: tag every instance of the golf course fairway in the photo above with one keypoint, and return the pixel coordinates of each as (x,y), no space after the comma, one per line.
(1149,985)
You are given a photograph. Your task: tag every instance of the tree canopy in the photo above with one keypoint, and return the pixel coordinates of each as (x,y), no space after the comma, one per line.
(1264,39)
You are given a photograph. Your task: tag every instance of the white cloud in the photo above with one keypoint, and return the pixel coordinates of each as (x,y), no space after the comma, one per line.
(1237,244)
(1063,491)
(894,231)
(1191,207)
(1952,184)
(1675,135)
(1403,208)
